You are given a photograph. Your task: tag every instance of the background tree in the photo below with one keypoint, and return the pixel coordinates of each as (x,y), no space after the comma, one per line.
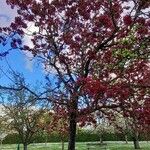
(132,121)
(87,45)
(120,125)
(3,129)
(22,113)
(137,119)
(102,126)
(54,122)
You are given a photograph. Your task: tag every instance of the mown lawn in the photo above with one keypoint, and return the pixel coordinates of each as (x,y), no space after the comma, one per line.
(79,146)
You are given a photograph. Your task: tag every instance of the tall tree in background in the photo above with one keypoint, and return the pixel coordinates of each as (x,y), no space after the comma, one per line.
(98,51)
(54,122)
(21,113)
(137,118)
(3,129)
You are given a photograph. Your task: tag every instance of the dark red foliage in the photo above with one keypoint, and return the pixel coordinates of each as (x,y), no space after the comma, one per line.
(98,49)
(127,20)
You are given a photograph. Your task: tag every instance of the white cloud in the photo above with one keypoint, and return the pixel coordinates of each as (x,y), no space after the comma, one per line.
(28,63)
(7,14)
(27,41)
(29,31)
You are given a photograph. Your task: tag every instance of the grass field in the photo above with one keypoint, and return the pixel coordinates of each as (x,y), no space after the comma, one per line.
(79,146)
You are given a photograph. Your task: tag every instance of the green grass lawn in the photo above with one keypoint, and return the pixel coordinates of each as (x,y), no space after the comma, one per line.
(79,146)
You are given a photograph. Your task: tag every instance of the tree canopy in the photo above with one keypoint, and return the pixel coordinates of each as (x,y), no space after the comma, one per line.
(98,51)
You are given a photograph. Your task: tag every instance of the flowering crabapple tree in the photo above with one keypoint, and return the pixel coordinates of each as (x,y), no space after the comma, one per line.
(132,120)
(102,126)
(21,112)
(11,41)
(97,50)
(55,122)
(144,119)
(133,116)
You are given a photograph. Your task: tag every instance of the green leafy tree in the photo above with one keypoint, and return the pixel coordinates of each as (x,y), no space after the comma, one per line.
(22,113)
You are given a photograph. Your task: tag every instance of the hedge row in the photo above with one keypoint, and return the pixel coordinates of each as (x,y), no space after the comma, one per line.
(82,136)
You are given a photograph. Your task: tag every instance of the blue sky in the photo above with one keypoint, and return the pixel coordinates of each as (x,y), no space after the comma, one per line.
(18,60)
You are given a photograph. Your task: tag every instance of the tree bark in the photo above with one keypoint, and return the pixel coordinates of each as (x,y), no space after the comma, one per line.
(101,139)
(72,131)
(136,144)
(1,143)
(62,145)
(25,146)
(126,139)
(46,140)
(136,141)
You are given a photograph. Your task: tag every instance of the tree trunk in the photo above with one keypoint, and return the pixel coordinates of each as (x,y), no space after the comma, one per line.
(1,143)
(72,131)
(136,141)
(46,140)
(126,139)
(25,146)
(101,139)
(136,144)
(62,144)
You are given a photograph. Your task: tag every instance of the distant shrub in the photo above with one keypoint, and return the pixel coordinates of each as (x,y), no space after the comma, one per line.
(82,136)
(11,139)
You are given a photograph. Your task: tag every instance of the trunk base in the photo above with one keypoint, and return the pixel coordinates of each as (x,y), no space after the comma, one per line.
(126,139)
(136,144)
(25,147)
(72,132)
